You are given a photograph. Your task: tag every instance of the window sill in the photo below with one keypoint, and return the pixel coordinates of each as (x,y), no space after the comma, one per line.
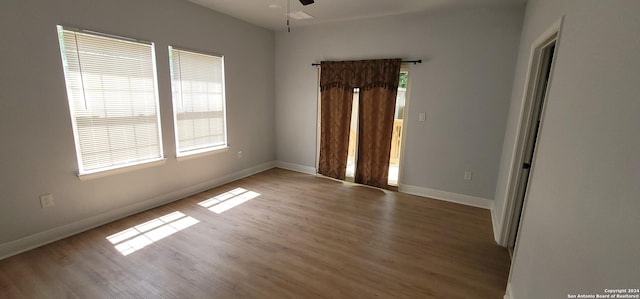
(202,153)
(122,169)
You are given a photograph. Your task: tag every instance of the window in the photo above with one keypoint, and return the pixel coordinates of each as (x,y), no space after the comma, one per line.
(197,82)
(113,99)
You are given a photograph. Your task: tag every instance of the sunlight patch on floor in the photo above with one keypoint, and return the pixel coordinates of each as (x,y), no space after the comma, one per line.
(135,238)
(228,200)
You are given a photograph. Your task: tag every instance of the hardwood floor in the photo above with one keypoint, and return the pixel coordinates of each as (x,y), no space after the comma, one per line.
(290,236)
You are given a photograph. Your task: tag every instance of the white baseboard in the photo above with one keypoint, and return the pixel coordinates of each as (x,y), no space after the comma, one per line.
(38,239)
(508,294)
(447,196)
(296,167)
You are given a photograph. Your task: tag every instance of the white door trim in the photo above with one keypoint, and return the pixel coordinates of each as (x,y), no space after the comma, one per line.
(318,119)
(405,122)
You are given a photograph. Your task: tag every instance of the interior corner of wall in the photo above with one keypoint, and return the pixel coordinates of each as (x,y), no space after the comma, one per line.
(296,167)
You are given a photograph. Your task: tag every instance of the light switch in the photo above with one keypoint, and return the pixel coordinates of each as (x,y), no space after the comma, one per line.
(422,116)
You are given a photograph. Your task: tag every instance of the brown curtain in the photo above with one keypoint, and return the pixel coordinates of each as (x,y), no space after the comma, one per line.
(377,108)
(336,96)
(378,83)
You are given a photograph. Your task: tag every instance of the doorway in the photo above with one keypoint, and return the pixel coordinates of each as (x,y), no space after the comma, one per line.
(540,74)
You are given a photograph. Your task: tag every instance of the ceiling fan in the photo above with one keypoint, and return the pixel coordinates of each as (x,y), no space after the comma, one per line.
(306,2)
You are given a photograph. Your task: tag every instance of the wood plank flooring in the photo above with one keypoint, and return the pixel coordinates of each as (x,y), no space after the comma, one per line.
(289,235)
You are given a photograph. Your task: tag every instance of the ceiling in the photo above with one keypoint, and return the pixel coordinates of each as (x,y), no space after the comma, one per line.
(271,14)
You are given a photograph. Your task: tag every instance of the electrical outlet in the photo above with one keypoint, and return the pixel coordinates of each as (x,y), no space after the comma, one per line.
(239,154)
(46,200)
(468,175)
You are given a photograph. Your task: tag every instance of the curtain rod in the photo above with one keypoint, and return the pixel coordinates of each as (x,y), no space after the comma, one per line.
(404,61)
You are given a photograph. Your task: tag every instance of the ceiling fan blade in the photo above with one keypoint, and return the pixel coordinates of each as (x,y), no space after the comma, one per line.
(306,2)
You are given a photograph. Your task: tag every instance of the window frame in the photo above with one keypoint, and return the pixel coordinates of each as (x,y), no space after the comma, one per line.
(83,173)
(209,150)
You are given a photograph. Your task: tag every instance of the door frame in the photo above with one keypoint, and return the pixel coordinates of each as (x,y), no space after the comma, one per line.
(318,120)
(509,225)
(405,122)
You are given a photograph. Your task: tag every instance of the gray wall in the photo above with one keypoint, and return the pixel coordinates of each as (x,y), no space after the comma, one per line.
(579,232)
(37,155)
(463,86)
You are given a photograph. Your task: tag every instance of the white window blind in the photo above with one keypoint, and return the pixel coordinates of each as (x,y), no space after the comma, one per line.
(113,100)
(197,82)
